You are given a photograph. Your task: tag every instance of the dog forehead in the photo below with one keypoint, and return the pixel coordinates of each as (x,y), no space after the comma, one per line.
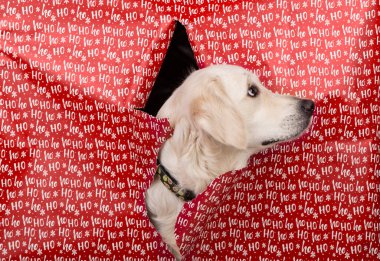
(236,81)
(235,75)
(231,71)
(233,80)
(230,74)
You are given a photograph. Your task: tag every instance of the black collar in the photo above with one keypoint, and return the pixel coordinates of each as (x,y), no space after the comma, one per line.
(172,184)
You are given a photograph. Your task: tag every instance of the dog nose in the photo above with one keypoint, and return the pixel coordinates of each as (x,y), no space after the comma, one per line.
(307,106)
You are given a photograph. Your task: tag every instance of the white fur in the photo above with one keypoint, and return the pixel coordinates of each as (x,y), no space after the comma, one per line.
(217,126)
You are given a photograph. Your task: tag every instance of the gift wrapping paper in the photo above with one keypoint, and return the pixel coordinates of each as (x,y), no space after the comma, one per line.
(76,156)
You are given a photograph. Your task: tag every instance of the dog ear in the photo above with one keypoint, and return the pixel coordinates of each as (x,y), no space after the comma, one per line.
(215,114)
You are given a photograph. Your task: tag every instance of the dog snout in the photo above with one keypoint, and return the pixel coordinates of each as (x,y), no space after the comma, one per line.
(307,107)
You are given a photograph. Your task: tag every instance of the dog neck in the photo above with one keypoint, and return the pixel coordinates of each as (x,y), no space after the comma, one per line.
(195,159)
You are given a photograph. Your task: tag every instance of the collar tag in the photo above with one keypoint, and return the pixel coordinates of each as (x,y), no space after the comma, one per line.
(172,184)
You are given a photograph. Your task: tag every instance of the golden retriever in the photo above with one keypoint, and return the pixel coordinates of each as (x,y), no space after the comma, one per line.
(221,115)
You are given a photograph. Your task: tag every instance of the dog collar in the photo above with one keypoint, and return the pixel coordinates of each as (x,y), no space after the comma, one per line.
(172,184)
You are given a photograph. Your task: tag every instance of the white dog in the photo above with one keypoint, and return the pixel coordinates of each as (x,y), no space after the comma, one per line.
(221,115)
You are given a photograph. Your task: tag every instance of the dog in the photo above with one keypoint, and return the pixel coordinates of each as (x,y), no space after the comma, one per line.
(221,115)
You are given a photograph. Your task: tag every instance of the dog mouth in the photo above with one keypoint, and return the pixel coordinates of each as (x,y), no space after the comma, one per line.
(272,141)
(276,140)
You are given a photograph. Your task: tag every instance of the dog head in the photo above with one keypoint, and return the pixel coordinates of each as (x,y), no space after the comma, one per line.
(229,104)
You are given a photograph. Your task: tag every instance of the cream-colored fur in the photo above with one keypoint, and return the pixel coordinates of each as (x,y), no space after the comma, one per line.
(217,125)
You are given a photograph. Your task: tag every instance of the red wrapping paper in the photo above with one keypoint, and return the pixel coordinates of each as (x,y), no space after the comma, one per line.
(76,158)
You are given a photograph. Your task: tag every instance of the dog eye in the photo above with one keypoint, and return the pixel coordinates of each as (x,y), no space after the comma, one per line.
(253,91)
